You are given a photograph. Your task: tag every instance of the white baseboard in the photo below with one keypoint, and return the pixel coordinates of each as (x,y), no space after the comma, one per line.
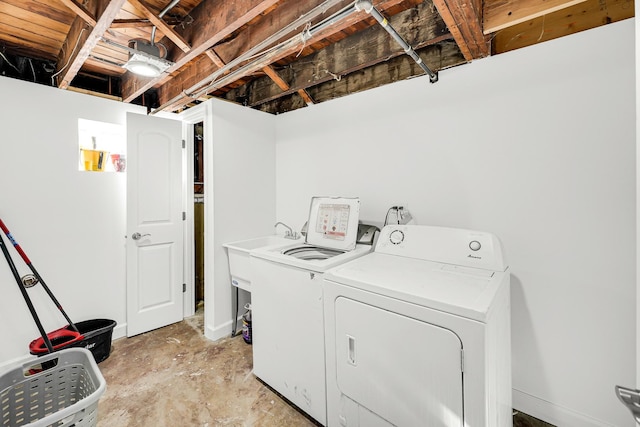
(552,413)
(119,331)
(215,334)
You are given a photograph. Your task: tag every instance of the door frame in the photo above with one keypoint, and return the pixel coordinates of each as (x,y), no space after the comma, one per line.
(189,118)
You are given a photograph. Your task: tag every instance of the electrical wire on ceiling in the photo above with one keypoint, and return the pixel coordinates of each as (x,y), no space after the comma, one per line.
(9,62)
(53,82)
(33,71)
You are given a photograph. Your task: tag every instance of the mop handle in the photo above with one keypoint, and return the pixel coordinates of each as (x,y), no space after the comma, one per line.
(35,273)
(14,243)
(25,295)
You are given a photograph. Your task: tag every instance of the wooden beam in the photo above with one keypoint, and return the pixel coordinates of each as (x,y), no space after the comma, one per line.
(269,71)
(499,14)
(396,69)
(212,22)
(287,12)
(81,11)
(213,56)
(81,41)
(580,17)
(419,26)
(306,96)
(464,20)
(275,77)
(161,25)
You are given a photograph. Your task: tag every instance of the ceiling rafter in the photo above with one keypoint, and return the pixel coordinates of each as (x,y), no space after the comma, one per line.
(209,32)
(217,61)
(158,22)
(284,86)
(395,69)
(81,11)
(258,52)
(500,14)
(368,47)
(579,17)
(80,41)
(291,9)
(464,20)
(269,71)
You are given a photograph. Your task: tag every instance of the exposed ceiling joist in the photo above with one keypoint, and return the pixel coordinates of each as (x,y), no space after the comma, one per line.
(290,8)
(284,86)
(399,68)
(499,14)
(271,55)
(213,56)
(161,25)
(81,11)
(212,22)
(80,41)
(464,20)
(579,17)
(362,50)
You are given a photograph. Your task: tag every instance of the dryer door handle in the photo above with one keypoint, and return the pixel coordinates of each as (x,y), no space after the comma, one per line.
(351,350)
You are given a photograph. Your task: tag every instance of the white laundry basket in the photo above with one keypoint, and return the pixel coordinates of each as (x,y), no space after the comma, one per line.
(59,389)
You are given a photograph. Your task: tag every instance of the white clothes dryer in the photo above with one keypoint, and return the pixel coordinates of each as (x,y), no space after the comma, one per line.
(417,333)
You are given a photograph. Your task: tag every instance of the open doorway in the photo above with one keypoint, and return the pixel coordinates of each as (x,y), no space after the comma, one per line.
(198,213)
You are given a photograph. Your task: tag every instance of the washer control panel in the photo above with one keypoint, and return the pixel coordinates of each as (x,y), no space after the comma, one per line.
(445,245)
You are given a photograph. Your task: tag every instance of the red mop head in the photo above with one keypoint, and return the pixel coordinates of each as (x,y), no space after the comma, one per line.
(59,338)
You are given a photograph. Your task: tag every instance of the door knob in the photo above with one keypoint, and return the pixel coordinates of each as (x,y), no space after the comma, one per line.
(631,399)
(138,236)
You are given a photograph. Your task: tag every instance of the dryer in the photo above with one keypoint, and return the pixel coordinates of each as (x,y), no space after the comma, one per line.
(417,333)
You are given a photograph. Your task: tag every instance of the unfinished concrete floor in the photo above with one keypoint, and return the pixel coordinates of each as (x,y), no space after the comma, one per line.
(175,377)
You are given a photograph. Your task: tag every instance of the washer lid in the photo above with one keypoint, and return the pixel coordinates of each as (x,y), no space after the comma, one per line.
(333,222)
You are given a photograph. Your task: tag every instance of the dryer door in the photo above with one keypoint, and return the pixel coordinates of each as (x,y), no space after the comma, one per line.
(406,371)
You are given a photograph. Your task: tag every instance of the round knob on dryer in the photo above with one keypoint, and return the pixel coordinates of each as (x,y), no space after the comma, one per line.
(396,237)
(474,245)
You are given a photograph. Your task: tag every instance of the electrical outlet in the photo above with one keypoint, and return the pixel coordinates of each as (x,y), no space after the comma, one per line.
(404,216)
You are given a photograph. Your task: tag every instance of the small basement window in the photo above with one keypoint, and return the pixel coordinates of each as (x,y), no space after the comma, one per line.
(102,146)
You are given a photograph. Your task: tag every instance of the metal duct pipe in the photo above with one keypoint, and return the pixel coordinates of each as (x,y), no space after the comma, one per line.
(368,7)
(164,11)
(168,8)
(307,34)
(197,90)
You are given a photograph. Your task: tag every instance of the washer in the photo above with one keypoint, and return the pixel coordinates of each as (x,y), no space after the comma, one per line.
(287,307)
(418,332)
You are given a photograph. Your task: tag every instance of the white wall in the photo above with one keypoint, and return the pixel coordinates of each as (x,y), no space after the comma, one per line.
(71,224)
(536,146)
(637,52)
(240,198)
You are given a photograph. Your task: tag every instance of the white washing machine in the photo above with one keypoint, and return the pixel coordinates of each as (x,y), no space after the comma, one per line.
(417,333)
(287,308)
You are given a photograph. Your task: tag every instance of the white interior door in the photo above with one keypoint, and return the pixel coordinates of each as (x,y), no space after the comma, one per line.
(154,223)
